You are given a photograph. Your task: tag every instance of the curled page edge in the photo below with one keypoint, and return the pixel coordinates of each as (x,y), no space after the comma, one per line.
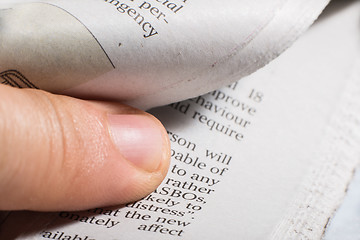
(266,52)
(288,24)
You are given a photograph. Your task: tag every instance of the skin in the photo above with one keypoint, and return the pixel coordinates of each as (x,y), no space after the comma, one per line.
(58,153)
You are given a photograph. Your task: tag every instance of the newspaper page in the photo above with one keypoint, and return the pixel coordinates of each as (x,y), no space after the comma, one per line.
(149,53)
(242,156)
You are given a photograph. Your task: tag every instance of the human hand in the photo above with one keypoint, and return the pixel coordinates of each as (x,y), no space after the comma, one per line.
(61,153)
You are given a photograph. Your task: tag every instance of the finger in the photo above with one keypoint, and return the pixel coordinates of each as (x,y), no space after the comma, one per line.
(60,153)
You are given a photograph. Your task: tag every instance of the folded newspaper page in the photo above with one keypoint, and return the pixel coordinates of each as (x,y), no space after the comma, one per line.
(267,157)
(147,53)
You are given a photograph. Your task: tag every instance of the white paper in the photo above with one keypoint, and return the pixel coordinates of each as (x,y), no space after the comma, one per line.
(292,112)
(148,53)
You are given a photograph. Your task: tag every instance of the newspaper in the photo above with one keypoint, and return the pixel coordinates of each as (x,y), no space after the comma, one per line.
(147,53)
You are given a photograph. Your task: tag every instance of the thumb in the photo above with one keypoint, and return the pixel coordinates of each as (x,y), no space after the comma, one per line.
(61,153)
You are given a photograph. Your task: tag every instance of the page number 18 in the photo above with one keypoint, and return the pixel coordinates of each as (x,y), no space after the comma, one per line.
(256,96)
